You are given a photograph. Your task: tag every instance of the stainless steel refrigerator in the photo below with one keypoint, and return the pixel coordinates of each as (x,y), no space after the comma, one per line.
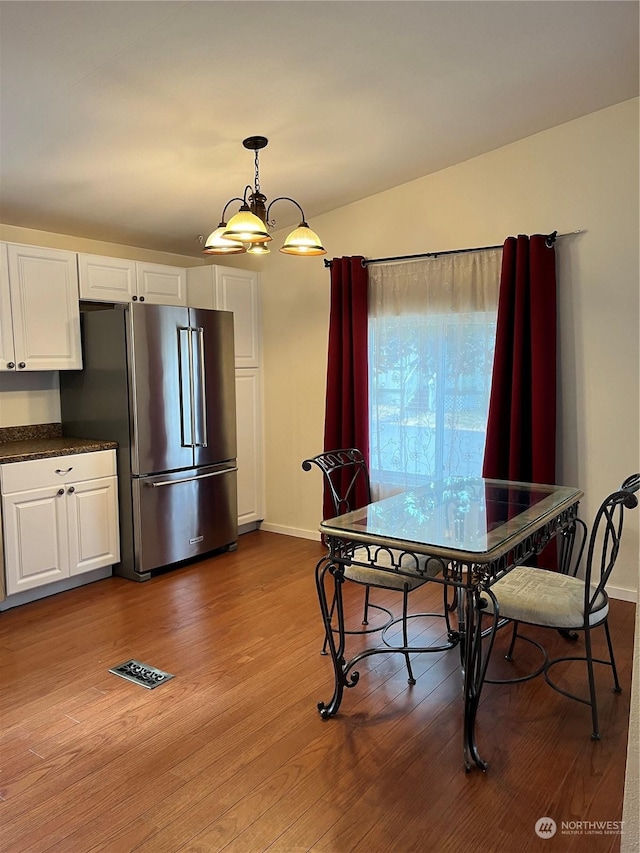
(160,381)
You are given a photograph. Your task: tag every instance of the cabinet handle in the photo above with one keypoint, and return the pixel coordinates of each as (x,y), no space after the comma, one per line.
(22,365)
(60,491)
(134,298)
(142,299)
(60,471)
(71,490)
(11,365)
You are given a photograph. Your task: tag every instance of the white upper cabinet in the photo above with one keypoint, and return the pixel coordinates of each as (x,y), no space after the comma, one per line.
(40,320)
(104,279)
(7,355)
(236,290)
(201,287)
(161,284)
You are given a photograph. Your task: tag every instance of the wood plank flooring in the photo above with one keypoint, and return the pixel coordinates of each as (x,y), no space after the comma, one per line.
(232,755)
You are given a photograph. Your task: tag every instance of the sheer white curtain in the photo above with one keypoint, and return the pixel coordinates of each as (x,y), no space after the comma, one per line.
(432,325)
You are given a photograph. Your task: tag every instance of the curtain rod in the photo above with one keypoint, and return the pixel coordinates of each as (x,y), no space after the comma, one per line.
(550,240)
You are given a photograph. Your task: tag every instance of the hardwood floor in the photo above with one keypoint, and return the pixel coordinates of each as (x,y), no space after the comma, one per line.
(232,755)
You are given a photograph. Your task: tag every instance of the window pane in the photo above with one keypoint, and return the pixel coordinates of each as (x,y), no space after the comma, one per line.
(430,377)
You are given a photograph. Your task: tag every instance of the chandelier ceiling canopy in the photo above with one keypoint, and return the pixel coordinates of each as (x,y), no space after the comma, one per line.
(247,230)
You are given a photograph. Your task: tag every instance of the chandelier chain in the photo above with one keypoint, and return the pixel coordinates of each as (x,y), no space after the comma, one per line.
(257,178)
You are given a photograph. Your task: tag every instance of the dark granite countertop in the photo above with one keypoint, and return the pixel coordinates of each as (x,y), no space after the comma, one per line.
(42,441)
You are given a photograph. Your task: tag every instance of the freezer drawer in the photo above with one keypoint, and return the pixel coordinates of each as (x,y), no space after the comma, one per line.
(182,515)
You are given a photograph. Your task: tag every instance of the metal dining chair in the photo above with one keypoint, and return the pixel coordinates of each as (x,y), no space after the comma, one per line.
(345,472)
(565,602)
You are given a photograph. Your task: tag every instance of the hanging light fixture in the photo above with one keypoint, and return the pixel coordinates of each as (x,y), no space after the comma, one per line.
(258,249)
(247,230)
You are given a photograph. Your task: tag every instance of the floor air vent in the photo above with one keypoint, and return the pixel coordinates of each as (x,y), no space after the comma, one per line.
(141,673)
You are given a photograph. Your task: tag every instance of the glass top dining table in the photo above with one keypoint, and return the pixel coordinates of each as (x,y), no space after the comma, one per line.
(474,518)
(462,532)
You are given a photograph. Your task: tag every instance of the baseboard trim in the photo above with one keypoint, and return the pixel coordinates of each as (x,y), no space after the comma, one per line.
(622,594)
(29,595)
(290,531)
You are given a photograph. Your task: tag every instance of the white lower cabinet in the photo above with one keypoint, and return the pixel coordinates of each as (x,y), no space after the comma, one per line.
(92,522)
(249,432)
(60,518)
(36,542)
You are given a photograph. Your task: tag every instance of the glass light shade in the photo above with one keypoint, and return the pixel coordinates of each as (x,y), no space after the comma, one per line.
(303,241)
(246,227)
(258,249)
(217,245)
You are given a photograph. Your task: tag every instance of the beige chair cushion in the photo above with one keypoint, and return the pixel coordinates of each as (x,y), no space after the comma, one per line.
(386,580)
(546,598)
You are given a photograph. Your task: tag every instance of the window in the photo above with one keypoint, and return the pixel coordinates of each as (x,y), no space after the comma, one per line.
(431,339)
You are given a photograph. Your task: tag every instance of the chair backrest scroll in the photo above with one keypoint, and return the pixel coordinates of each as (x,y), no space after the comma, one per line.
(606,533)
(346,478)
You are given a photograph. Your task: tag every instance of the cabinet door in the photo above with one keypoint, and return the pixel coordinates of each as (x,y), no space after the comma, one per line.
(7,359)
(92,518)
(201,288)
(237,291)
(45,309)
(161,285)
(104,279)
(35,538)
(250,457)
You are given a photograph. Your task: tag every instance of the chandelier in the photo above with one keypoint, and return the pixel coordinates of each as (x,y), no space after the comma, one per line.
(247,230)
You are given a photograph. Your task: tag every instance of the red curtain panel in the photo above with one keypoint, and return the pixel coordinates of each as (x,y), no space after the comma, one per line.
(521,427)
(347,401)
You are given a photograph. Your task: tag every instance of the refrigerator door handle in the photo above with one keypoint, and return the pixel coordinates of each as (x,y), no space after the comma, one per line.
(202,391)
(189,479)
(192,391)
(186,363)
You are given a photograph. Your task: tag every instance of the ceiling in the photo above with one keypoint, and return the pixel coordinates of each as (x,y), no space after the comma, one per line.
(124,121)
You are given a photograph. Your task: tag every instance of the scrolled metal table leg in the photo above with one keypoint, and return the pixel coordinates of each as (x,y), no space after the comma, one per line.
(336,650)
(462,632)
(474,671)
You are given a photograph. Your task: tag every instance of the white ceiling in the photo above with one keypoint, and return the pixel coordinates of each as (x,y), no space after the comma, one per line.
(124,121)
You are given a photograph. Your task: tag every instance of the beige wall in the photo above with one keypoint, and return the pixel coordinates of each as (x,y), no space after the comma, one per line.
(580,175)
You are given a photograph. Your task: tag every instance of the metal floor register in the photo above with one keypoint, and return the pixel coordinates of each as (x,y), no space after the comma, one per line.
(141,673)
